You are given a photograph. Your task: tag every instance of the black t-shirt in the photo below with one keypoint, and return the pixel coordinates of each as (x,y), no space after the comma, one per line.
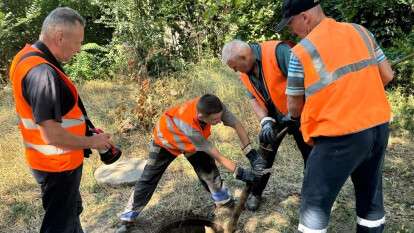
(47,94)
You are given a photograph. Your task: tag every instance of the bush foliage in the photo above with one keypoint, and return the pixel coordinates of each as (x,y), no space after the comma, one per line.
(153,38)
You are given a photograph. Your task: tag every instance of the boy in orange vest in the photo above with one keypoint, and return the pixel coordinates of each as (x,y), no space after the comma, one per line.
(184,129)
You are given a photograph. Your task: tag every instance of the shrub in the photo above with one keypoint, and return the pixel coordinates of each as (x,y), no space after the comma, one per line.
(403,112)
(90,63)
(404,71)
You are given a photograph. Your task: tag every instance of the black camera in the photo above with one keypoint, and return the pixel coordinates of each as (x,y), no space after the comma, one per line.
(110,155)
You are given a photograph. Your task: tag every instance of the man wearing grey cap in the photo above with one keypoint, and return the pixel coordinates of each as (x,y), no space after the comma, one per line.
(336,80)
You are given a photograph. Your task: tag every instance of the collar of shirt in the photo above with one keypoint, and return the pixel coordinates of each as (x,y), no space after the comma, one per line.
(49,56)
(258,55)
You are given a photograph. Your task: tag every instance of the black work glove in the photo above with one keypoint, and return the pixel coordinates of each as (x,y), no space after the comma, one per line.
(268,130)
(246,175)
(293,124)
(256,160)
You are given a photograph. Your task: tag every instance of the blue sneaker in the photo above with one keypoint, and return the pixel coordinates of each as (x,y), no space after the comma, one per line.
(129,216)
(222,197)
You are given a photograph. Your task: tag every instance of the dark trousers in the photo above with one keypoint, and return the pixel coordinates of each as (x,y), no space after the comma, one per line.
(158,161)
(334,159)
(61,200)
(269,153)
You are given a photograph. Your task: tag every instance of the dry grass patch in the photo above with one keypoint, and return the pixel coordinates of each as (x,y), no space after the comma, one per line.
(114,104)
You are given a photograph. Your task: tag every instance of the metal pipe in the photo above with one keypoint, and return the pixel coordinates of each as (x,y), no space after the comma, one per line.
(399,60)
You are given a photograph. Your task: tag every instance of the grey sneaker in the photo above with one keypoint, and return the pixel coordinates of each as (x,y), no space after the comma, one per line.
(253,202)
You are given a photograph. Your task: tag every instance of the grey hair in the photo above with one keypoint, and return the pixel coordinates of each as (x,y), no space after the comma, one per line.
(61,16)
(232,49)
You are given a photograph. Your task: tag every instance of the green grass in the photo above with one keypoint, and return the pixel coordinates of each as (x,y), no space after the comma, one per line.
(111,105)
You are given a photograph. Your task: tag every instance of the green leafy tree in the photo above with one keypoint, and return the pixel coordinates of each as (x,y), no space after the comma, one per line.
(21,21)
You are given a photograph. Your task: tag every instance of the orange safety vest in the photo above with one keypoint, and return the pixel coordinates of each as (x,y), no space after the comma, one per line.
(175,127)
(343,88)
(40,155)
(274,80)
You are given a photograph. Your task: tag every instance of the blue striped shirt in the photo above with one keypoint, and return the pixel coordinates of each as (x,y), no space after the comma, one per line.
(296,77)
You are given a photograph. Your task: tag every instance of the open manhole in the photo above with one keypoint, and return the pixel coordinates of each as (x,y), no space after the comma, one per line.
(191,225)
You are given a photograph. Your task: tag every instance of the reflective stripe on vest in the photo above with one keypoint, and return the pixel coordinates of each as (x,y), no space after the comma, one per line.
(187,130)
(342,80)
(182,126)
(177,128)
(326,77)
(177,139)
(161,138)
(46,149)
(66,123)
(40,155)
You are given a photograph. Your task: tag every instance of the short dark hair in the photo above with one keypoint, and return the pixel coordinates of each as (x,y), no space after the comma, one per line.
(209,104)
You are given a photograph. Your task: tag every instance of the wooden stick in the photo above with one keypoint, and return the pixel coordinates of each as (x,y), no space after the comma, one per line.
(238,209)
(232,226)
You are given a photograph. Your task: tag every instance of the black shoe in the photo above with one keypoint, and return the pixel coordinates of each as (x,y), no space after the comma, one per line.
(253,202)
